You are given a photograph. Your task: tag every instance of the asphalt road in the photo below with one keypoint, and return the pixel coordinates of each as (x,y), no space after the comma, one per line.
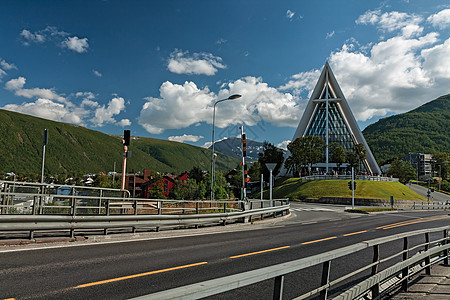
(435,196)
(117,268)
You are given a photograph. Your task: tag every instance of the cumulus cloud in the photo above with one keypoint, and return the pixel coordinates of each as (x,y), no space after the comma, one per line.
(283,144)
(15,84)
(104,114)
(124,123)
(76,44)
(29,37)
(6,66)
(388,21)
(392,75)
(441,19)
(46,103)
(185,138)
(290,14)
(181,62)
(52,34)
(180,106)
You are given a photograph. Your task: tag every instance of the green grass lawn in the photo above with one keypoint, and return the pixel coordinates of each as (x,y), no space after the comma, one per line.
(294,189)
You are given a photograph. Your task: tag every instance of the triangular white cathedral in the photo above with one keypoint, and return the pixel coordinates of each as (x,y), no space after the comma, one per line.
(329,117)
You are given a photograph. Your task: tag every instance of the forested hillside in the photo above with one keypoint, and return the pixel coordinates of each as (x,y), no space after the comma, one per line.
(75,149)
(425,129)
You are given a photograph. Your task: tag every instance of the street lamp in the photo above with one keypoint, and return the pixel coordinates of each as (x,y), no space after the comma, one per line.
(232,97)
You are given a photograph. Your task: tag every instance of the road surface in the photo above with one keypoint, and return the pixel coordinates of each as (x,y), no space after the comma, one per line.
(117,268)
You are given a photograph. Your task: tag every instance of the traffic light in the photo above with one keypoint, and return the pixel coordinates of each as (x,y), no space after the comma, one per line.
(352,186)
(126,137)
(244,145)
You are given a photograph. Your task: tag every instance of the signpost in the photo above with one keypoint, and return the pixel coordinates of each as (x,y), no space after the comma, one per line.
(271,166)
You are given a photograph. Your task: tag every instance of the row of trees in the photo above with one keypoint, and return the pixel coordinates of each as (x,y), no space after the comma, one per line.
(309,150)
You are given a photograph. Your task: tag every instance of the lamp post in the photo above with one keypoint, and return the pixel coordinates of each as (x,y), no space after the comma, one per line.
(232,97)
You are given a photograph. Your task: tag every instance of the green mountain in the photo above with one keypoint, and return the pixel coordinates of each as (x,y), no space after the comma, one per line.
(75,149)
(425,129)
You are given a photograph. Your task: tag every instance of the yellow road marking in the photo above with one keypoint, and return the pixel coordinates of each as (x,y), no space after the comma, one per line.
(138,275)
(355,233)
(325,239)
(258,252)
(404,222)
(415,222)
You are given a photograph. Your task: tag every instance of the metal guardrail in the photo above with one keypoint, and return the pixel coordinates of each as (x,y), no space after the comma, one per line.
(348,177)
(433,252)
(33,207)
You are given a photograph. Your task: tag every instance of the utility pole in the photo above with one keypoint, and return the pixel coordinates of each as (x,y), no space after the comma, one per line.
(44,143)
(244,166)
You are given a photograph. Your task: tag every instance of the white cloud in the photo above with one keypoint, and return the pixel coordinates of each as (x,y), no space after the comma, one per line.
(49,105)
(330,34)
(221,41)
(97,73)
(290,14)
(2,73)
(180,106)
(198,63)
(124,123)
(393,75)
(388,21)
(76,44)
(29,37)
(441,19)
(52,34)
(104,114)
(185,138)
(47,109)
(7,66)
(15,84)
(283,144)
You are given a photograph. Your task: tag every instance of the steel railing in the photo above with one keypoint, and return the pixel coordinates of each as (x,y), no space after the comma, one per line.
(32,207)
(375,286)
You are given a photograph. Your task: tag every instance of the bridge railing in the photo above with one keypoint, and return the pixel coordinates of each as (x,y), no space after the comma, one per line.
(33,207)
(413,259)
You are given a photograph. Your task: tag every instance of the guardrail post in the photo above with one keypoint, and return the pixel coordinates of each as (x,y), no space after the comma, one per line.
(3,211)
(224,207)
(446,251)
(135,207)
(376,259)
(182,212)
(250,217)
(107,207)
(196,208)
(278,288)
(405,271)
(427,259)
(325,279)
(100,202)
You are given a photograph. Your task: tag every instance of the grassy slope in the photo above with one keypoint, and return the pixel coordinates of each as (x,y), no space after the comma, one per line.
(294,189)
(74,148)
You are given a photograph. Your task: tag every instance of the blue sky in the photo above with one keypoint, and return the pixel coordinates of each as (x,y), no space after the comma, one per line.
(156,67)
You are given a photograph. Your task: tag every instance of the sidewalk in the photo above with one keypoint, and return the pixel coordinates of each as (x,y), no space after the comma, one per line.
(434,286)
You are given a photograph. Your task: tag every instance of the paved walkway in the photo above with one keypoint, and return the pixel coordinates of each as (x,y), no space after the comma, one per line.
(434,286)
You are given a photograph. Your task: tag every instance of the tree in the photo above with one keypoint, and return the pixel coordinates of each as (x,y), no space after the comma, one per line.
(402,170)
(337,154)
(156,186)
(197,174)
(361,153)
(255,171)
(442,159)
(305,151)
(271,154)
(352,159)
